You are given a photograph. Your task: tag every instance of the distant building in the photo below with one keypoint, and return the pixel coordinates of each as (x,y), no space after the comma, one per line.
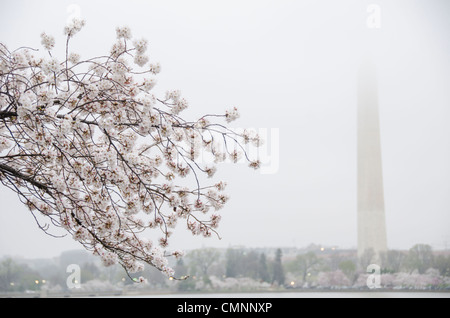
(370,197)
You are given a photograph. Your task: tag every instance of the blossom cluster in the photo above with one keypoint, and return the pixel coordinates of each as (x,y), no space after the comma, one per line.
(87,145)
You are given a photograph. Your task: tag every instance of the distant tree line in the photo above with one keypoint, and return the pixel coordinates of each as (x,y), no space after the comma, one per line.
(204,268)
(16,277)
(235,263)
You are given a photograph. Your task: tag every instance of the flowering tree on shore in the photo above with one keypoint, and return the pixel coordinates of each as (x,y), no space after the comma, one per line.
(86,144)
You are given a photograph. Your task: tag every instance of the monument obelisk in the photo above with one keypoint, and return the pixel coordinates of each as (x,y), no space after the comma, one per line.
(370,207)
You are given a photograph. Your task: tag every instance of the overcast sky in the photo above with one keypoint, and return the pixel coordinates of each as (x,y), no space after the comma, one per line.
(290,67)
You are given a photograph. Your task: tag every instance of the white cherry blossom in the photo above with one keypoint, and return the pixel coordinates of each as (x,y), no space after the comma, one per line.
(89,149)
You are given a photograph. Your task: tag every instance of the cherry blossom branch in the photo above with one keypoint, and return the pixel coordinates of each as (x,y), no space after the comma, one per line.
(86,144)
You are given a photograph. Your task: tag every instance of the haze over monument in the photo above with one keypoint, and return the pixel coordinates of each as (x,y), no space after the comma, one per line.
(293,65)
(370,209)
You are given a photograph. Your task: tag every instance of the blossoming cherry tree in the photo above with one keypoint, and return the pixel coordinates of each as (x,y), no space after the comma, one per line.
(87,146)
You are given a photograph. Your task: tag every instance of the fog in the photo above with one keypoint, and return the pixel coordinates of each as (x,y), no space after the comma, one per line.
(290,67)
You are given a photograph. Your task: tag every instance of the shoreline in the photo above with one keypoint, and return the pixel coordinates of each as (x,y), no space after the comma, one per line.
(211,294)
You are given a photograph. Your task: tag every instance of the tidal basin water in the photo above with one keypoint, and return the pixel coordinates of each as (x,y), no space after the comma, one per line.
(349,294)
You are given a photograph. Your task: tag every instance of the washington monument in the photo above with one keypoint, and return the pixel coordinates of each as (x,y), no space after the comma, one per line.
(370,207)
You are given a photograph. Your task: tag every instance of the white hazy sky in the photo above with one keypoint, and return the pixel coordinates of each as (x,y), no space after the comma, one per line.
(291,66)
